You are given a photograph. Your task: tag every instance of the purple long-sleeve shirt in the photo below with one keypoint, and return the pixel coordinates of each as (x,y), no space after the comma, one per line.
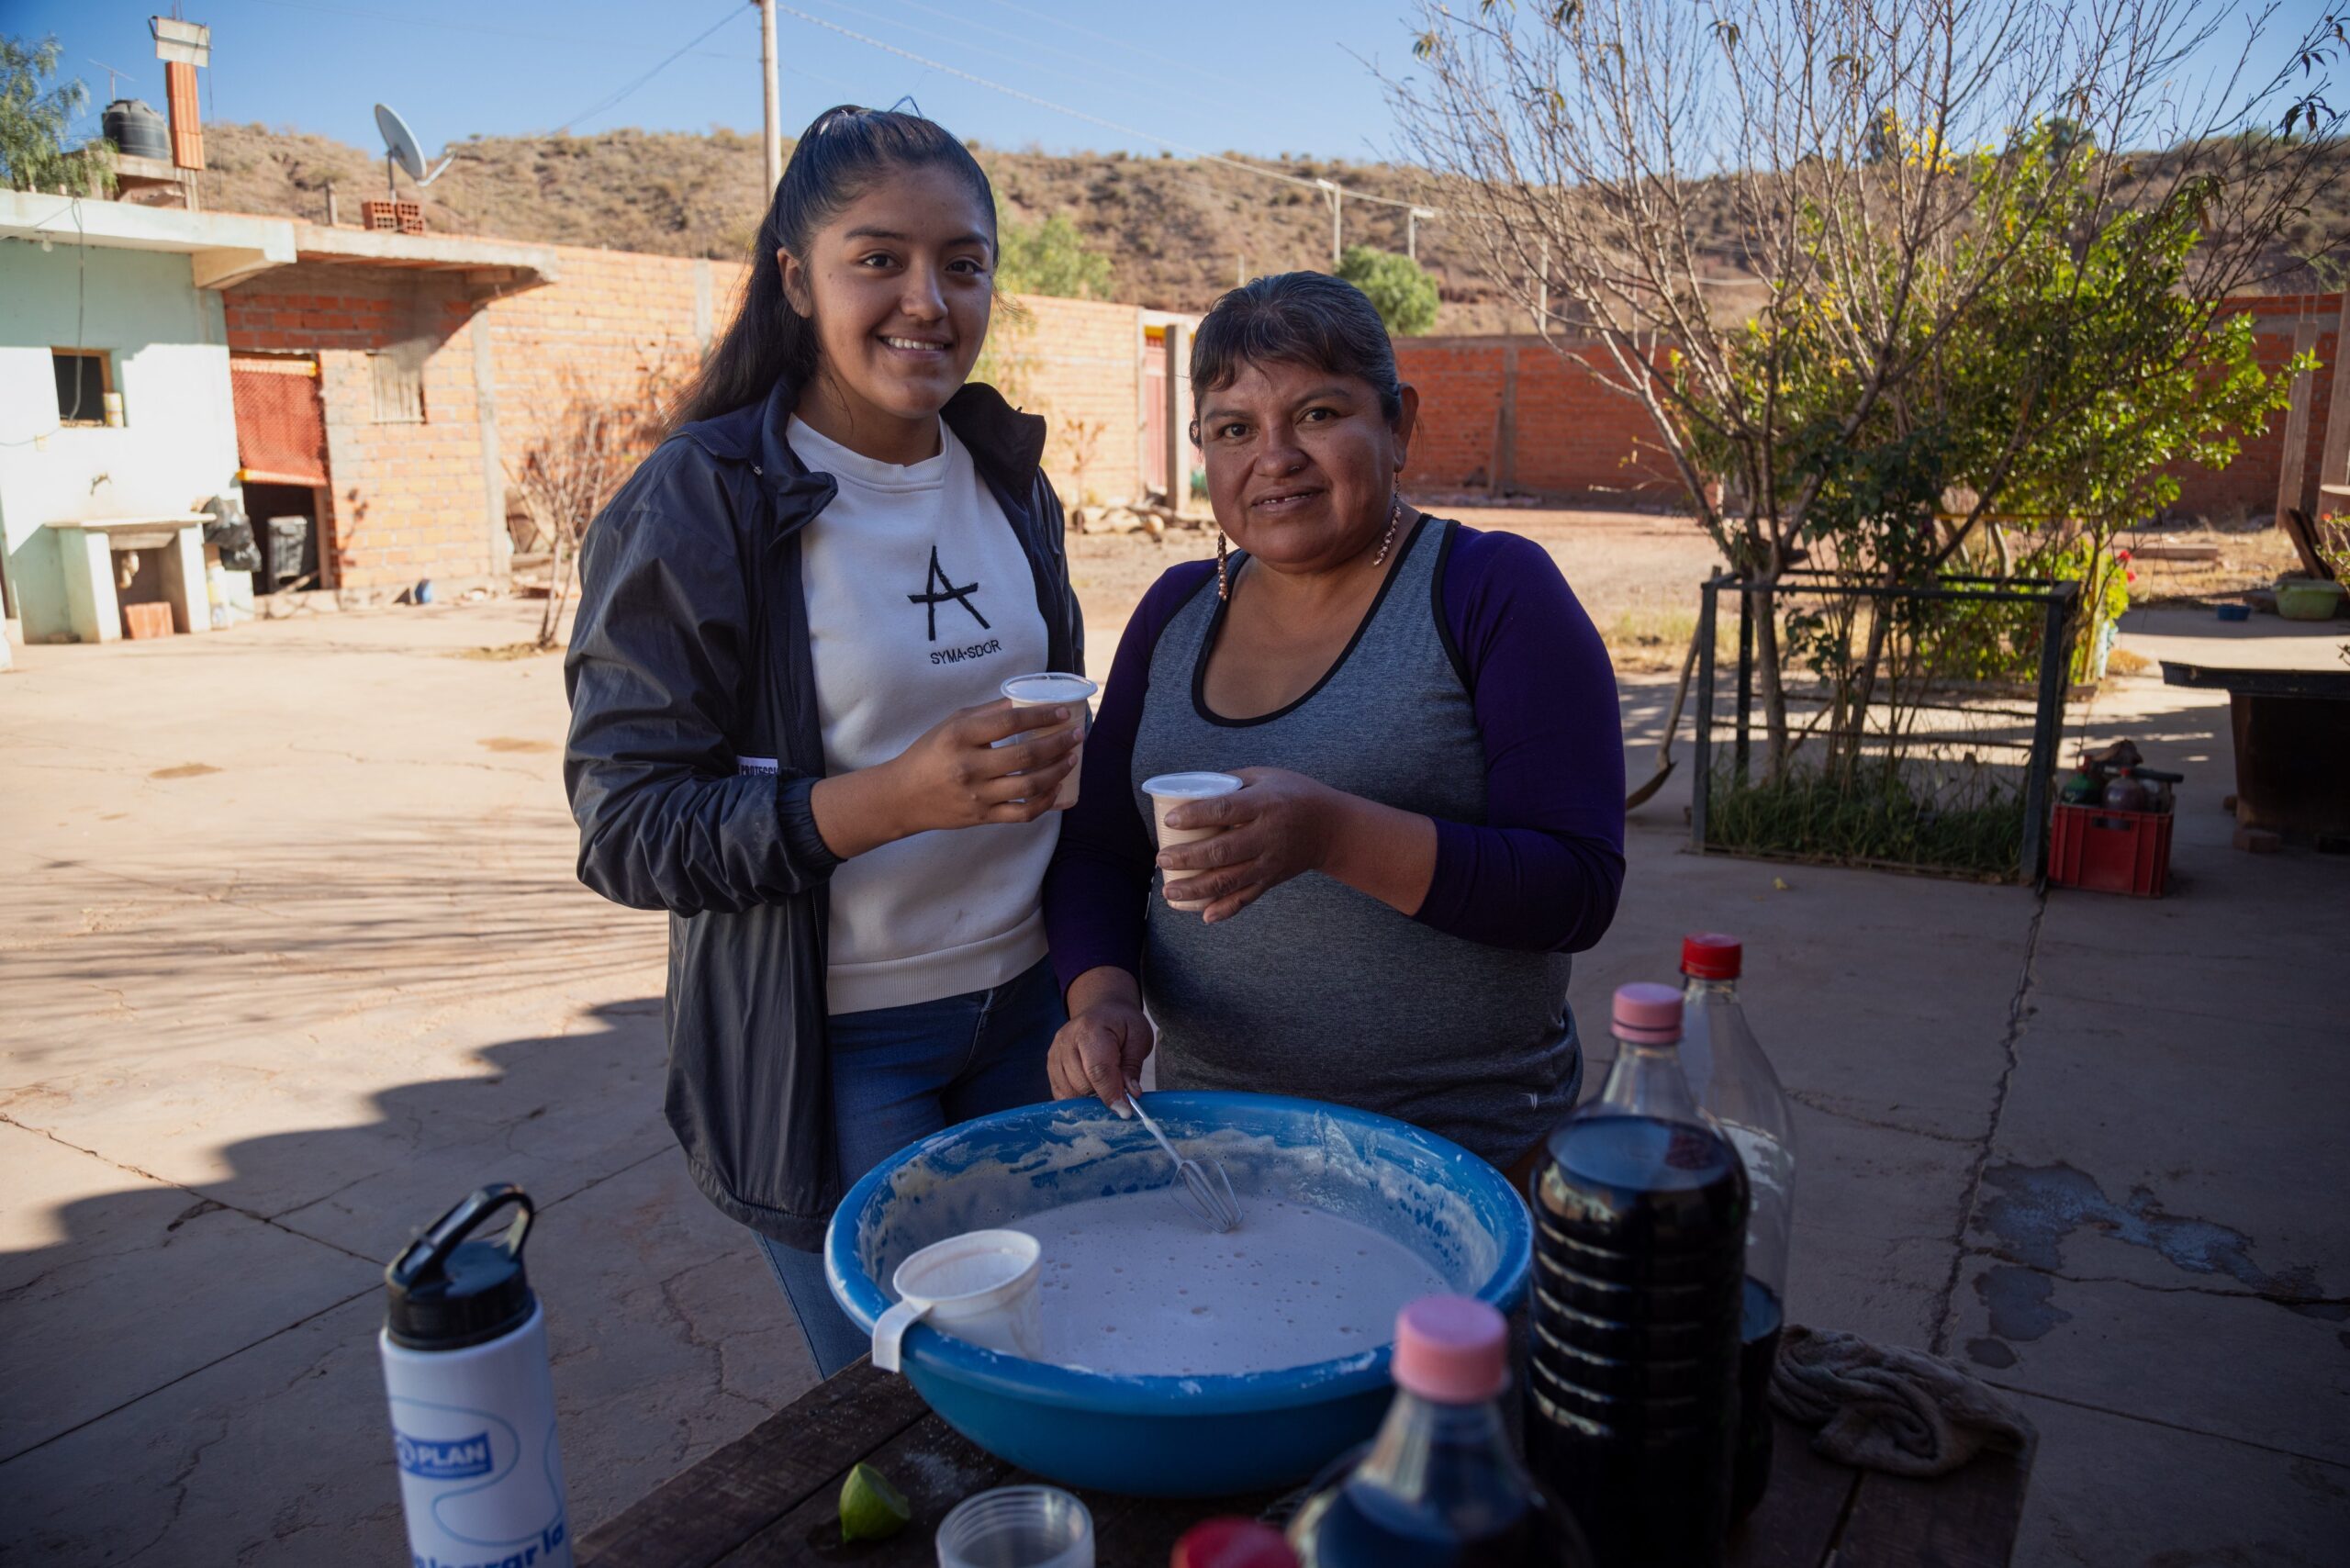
(1541,873)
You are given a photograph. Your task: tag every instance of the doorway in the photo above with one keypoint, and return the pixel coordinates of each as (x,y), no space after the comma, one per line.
(282,453)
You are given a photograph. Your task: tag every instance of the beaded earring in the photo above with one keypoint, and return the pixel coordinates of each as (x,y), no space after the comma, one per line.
(1223,581)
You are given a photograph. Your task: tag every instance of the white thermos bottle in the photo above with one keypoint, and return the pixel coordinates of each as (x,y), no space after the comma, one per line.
(464,1347)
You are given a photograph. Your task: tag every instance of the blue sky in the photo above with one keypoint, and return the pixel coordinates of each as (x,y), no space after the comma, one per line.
(1262,76)
(1258,76)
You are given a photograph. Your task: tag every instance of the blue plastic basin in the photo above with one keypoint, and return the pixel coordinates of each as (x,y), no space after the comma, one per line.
(1173,1437)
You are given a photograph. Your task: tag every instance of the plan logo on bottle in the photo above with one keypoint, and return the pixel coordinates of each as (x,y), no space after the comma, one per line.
(444,1459)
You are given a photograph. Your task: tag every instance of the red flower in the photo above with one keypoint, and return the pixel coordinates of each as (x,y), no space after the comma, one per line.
(2121,555)
(2128,576)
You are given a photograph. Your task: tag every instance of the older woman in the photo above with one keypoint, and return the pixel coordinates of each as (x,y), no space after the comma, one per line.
(1426,725)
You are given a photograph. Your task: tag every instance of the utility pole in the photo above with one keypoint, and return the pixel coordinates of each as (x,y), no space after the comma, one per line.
(1332,189)
(774,100)
(1412,217)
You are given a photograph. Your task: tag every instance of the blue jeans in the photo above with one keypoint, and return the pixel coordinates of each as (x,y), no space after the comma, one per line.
(900,1074)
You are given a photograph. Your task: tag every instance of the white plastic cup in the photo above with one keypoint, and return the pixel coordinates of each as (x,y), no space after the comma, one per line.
(980,1286)
(1169,790)
(1052,689)
(1017,1526)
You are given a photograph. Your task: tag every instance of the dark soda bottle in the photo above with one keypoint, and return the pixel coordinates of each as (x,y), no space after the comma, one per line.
(1441,1485)
(1733,1083)
(1633,1394)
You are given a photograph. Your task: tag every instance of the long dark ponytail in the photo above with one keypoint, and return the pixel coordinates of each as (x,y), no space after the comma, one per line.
(840,156)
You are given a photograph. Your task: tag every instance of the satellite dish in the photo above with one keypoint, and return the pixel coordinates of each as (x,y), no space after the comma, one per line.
(400,148)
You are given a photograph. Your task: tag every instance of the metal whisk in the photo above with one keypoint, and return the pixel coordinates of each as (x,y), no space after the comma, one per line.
(1216,1209)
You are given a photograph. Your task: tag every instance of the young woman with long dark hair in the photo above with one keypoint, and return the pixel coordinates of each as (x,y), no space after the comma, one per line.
(793,622)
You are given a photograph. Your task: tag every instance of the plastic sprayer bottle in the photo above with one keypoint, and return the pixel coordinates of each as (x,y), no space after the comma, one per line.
(1639,1242)
(1441,1485)
(1734,1084)
(464,1348)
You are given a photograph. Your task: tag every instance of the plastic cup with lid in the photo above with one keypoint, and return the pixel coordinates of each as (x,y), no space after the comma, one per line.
(1054,688)
(1168,790)
(979,1287)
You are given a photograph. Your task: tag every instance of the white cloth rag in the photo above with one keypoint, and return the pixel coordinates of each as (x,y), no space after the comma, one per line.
(1884,1407)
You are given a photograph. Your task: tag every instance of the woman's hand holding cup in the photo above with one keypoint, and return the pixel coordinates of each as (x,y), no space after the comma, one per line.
(958,774)
(1275,826)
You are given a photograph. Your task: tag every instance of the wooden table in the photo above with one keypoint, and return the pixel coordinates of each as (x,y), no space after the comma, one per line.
(771,1497)
(2291,732)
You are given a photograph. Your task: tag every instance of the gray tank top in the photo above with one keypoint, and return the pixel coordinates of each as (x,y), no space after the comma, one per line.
(1321,991)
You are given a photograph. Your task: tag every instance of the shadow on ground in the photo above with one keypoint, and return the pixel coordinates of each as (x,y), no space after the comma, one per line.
(193,1374)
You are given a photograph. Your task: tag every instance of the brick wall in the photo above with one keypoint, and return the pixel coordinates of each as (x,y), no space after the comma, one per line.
(406,500)
(411,502)
(2246,488)
(611,319)
(1514,412)
(1079,362)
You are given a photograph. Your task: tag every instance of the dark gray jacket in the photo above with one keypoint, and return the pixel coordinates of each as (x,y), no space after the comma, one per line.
(690,651)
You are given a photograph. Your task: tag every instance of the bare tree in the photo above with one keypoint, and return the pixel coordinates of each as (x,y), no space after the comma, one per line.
(578,458)
(1695,192)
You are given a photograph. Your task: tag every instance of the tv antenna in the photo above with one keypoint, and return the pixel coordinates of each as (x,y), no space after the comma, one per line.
(114,78)
(401,152)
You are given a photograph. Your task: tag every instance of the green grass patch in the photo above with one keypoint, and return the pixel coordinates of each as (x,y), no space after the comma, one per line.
(1969,821)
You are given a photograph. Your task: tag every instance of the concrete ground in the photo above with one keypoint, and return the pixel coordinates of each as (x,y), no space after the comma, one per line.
(293,957)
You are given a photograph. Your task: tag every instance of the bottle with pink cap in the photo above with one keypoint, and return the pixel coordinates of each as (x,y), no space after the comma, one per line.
(1441,1485)
(1640,1239)
(1734,1084)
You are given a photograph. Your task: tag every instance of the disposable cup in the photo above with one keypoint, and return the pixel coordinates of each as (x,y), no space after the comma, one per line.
(980,1286)
(1017,1526)
(1053,690)
(1168,790)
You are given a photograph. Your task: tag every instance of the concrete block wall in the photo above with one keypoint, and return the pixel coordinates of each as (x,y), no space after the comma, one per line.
(1519,413)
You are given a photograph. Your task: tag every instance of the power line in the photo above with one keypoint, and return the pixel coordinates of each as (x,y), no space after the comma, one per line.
(1199,153)
(574,40)
(1157,56)
(865,14)
(1097,66)
(733,12)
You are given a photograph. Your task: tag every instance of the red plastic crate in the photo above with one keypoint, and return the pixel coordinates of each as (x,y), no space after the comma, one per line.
(2108,851)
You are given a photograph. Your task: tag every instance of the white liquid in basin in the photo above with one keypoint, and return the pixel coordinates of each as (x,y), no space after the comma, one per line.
(1133,1285)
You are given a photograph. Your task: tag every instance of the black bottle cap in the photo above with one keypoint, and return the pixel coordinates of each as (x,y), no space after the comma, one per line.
(447,1292)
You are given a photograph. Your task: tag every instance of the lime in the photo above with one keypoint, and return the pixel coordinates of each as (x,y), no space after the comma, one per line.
(871,1509)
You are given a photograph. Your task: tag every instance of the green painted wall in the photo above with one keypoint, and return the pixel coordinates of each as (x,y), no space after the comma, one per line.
(177,446)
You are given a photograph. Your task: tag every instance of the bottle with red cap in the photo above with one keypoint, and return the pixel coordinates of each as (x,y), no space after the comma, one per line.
(1441,1485)
(1232,1542)
(1639,1240)
(1734,1084)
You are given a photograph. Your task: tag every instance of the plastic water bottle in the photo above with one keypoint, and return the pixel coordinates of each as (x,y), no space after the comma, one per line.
(1639,1241)
(1441,1485)
(464,1347)
(1734,1084)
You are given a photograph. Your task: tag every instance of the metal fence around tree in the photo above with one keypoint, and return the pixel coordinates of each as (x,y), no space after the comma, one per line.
(1916,726)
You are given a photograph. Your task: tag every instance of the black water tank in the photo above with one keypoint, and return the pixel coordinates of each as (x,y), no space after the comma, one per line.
(136,130)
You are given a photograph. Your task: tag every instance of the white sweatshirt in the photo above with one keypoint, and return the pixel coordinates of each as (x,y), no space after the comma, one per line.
(919,602)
